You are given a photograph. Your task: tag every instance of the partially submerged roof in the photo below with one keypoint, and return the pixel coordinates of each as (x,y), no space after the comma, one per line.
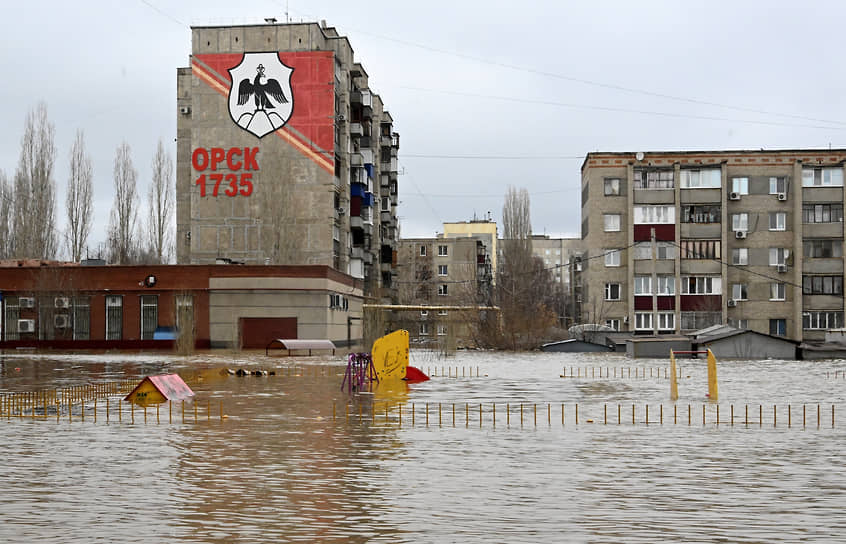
(167,386)
(293,344)
(736,332)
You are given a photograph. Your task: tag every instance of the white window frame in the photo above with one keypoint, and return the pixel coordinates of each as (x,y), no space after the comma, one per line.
(613,323)
(442,330)
(442,270)
(422,251)
(424,313)
(704,285)
(780,220)
(666,285)
(740,256)
(666,321)
(613,257)
(778,290)
(740,221)
(609,288)
(609,183)
(739,291)
(779,256)
(704,178)
(778,184)
(740,185)
(611,223)
(668,249)
(443,290)
(443,251)
(654,215)
(822,177)
(643,321)
(424,329)
(642,285)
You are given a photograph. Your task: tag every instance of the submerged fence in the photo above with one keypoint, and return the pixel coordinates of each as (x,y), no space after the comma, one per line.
(562,414)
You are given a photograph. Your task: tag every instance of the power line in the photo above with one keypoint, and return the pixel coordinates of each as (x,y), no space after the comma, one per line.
(495,157)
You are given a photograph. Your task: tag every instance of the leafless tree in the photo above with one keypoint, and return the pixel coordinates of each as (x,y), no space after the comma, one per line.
(35,189)
(160,203)
(123,238)
(79,201)
(6,207)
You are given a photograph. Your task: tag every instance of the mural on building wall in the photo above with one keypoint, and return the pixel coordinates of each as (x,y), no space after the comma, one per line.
(261,100)
(263,78)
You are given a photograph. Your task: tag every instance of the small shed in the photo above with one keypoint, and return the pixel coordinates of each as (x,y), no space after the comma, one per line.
(159,389)
(292,344)
(574,346)
(656,346)
(732,343)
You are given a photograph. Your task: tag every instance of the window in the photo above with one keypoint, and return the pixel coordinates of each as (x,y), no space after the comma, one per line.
(649,215)
(442,330)
(740,256)
(613,323)
(81,318)
(776,291)
(822,213)
(778,221)
(643,285)
(778,255)
(612,186)
(700,249)
(149,316)
(666,285)
(815,177)
(740,221)
(822,249)
(710,178)
(822,320)
(612,257)
(442,289)
(443,312)
(643,321)
(656,179)
(739,323)
(386,204)
(738,291)
(442,270)
(778,185)
(424,313)
(700,320)
(666,321)
(708,213)
(184,313)
(422,251)
(778,327)
(612,291)
(612,223)
(114,317)
(11,315)
(424,329)
(443,251)
(666,251)
(701,285)
(822,285)
(740,185)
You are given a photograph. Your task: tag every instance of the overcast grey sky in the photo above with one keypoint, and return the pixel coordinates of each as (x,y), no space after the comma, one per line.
(537,84)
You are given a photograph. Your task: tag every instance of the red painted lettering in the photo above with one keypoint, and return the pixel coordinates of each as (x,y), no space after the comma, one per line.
(217,156)
(250,158)
(199,155)
(232,164)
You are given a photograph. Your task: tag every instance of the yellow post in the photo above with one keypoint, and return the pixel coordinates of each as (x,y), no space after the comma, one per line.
(712,377)
(674,384)
(400,415)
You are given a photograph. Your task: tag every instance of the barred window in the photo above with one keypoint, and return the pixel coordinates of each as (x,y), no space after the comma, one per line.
(708,213)
(149,316)
(114,317)
(81,318)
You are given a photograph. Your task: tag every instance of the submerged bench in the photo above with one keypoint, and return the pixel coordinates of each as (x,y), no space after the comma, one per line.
(291,344)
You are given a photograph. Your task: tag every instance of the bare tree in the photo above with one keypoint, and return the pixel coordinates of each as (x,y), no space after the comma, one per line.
(160,203)
(6,207)
(35,189)
(123,239)
(79,201)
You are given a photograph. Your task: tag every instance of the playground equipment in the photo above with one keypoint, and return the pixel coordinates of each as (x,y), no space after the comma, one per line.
(387,362)
(712,374)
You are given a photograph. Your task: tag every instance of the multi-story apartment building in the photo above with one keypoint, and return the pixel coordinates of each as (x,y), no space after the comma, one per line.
(445,274)
(556,254)
(284,154)
(677,241)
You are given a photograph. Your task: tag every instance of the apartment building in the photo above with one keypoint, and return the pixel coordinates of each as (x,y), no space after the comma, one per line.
(678,241)
(438,277)
(284,154)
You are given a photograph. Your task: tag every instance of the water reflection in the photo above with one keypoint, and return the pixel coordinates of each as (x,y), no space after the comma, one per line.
(279,468)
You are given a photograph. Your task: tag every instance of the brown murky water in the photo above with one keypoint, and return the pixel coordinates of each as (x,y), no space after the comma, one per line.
(280,468)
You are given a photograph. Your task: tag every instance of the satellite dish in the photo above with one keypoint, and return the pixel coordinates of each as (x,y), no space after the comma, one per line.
(639,155)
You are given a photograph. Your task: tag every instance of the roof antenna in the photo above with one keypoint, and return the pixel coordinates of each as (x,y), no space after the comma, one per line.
(287,17)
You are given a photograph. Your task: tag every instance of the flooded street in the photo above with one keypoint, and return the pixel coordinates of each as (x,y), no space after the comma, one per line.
(281,468)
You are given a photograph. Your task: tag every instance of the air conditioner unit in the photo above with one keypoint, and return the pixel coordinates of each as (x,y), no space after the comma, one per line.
(734,196)
(341,210)
(26,325)
(731,303)
(341,118)
(578,266)
(184,110)
(782,196)
(61,321)
(26,302)
(782,268)
(61,302)
(740,234)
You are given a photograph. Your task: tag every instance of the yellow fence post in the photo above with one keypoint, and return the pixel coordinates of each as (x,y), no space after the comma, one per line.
(712,377)
(674,384)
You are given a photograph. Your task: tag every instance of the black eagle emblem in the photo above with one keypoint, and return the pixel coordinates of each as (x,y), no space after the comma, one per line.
(261,91)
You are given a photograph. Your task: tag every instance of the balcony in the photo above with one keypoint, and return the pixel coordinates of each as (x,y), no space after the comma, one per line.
(356,160)
(356,130)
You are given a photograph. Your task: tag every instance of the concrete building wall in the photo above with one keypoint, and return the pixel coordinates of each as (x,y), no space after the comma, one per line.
(742,201)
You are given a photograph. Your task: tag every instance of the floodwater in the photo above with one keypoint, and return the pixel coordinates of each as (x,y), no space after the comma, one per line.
(281,468)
